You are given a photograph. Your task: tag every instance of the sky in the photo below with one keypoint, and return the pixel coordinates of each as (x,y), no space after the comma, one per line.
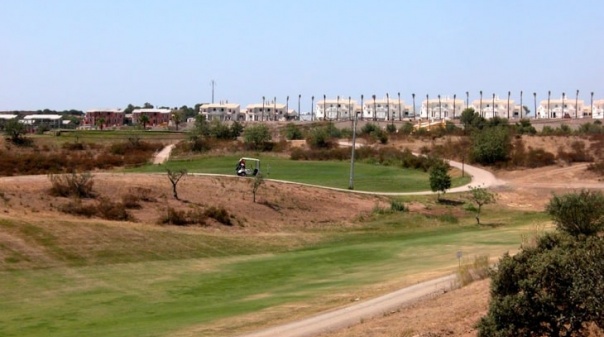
(74,54)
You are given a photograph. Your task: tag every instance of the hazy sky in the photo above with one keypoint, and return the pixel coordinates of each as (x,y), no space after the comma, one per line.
(83,54)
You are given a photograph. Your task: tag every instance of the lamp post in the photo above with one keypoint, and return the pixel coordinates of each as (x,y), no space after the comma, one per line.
(312,108)
(428,107)
(562,107)
(337,108)
(299,112)
(467,99)
(354,137)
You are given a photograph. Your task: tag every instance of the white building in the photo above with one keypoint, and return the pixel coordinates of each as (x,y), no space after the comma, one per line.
(221,111)
(441,108)
(561,108)
(383,109)
(50,120)
(336,109)
(495,107)
(598,111)
(267,111)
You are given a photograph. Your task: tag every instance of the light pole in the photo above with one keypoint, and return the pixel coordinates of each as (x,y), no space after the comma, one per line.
(467,99)
(299,112)
(337,108)
(354,137)
(563,96)
(428,107)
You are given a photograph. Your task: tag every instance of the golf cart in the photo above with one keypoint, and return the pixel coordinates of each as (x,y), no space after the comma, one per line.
(248,167)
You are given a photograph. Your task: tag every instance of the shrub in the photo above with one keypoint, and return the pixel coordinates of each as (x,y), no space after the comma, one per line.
(397,206)
(219,214)
(597,167)
(76,207)
(292,132)
(74,184)
(111,210)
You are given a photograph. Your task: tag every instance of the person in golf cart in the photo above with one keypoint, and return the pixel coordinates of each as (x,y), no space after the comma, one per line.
(242,170)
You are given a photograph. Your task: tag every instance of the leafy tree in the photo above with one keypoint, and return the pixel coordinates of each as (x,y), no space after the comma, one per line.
(555,287)
(524,126)
(578,213)
(175,177)
(319,138)
(147,105)
(15,131)
(177,118)
(202,127)
(100,123)
(491,145)
(481,196)
(471,119)
(293,132)
(257,136)
(440,180)
(144,119)
(406,128)
(236,129)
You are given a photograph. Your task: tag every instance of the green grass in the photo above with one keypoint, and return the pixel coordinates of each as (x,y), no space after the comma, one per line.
(139,287)
(367,177)
(106,136)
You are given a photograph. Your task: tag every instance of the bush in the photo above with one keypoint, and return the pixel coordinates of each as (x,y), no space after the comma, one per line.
(76,207)
(110,210)
(219,214)
(256,137)
(74,185)
(397,206)
(293,132)
(491,145)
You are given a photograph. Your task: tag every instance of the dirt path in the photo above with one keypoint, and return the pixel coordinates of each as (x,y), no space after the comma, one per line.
(163,155)
(354,314)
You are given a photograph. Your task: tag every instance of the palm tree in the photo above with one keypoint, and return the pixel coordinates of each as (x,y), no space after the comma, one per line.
(467,99)
(374,110)
(337,107)
(388,107)
(262,114)
(312,108)
(428,107)
(535,101)
(413,95)
(400,117)
(274,108)
(440,109)
(480,111)
(549,110)
(324,106)
(509,93)
(577,104)
(521,106)
(144,119)
(349,102)
(563,96)
(362,108)
(493,107)
(299,97)
(591,111)
(286,105)
(454,104)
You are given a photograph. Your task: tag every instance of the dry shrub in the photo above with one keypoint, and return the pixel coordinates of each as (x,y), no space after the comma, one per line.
(76,207)
(110,210)
(477,270)
(72,185)
(597,167)
(219,214)
(577,154)
(182,218)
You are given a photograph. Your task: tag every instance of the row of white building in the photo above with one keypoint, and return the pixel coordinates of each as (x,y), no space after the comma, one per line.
(395,109)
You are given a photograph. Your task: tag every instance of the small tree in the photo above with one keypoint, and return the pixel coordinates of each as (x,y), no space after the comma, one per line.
(293,132)
(578,213)
(256,183)
(481,196)
(256,136)
(15,131)
(491,145)
(175,177)
(440,181)
(144,119)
